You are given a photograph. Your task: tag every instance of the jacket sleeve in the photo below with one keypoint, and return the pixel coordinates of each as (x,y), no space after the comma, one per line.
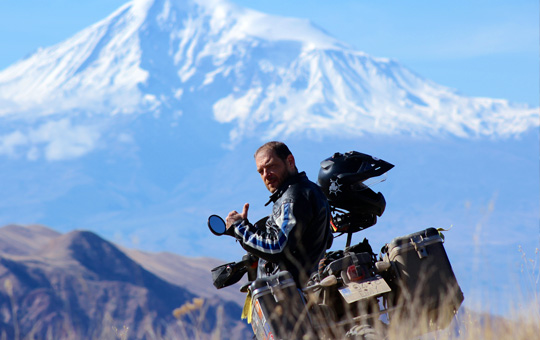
(279,235)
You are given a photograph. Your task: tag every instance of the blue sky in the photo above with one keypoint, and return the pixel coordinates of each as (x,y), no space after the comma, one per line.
(479,47)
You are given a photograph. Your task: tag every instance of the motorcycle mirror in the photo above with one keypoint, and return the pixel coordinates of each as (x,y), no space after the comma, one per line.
(217,225)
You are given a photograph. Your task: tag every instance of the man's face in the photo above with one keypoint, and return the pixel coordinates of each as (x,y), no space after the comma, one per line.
(273,170)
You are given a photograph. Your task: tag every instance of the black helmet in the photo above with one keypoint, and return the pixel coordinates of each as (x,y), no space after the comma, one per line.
(341,178)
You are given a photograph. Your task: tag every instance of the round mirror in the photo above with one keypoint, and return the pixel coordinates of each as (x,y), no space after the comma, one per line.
(217,225)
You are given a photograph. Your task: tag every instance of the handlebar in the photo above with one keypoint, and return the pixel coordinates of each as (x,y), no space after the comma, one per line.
(230,273)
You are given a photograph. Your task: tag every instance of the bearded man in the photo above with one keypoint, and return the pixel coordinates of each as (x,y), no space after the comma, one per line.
(297,233)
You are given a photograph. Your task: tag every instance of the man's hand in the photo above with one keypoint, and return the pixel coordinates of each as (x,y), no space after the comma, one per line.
(234,216)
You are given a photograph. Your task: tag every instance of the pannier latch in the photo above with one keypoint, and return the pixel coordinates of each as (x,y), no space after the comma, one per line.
(417,241)
(278,294)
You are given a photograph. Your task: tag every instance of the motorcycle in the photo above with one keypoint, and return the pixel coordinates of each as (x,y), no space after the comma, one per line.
(356,294)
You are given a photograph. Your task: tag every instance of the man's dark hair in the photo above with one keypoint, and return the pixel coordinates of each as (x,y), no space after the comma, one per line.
(281,150)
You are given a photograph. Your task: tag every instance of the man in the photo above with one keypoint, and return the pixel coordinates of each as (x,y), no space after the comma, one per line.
(297,233)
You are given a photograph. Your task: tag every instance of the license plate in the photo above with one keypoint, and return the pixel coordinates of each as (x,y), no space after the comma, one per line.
(355,291)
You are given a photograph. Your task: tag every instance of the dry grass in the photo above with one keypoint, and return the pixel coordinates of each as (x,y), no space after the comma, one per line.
(416,322)
(520,323)
(469,325)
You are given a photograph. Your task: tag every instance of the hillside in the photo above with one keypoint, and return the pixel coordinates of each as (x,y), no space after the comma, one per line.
(77,285)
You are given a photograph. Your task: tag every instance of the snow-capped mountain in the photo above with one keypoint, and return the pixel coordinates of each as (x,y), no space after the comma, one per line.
(268,76)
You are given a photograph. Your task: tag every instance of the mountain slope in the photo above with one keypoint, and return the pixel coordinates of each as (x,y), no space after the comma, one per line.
(81,286)
(17,240)
(209,60)
(184,271)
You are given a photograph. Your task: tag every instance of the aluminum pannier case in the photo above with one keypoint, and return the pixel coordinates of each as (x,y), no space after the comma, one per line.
(425,287)
(278,308)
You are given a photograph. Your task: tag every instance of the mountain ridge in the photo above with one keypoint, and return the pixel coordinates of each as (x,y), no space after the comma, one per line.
(48,244)
(75,294)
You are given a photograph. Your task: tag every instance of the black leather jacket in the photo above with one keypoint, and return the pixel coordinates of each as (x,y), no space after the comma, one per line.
(296,234)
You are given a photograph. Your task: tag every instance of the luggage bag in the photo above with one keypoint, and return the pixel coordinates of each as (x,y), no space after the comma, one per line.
(425,285)
(279,310)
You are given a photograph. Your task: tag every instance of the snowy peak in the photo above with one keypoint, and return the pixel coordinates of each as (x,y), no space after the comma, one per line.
(104,64)
(347,92)
(85,67)
(196,60)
